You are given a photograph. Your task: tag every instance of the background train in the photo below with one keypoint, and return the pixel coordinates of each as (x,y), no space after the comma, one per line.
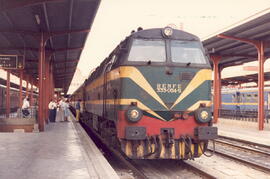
(243,103)
(151,97)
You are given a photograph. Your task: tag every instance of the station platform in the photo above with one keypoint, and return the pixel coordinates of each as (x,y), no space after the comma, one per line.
(244,130)
(64,150)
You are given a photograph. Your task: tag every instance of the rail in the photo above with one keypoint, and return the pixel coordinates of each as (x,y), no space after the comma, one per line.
(255,155)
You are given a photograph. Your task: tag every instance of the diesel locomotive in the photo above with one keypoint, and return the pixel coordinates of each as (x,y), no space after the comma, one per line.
(151,97)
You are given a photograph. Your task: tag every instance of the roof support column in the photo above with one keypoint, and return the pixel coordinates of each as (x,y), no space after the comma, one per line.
(260,48)
(8,95)
(217,86)
(220,85)
(44,85)
(21,97)
(46,93)
(27,85)
(51,80)
(31,93)
(40,82)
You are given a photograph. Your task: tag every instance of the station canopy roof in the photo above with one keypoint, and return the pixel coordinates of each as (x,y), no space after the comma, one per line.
(244,79)
(21,21)
(236,52)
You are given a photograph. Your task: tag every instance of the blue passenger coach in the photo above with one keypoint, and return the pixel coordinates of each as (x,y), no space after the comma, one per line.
(243,103)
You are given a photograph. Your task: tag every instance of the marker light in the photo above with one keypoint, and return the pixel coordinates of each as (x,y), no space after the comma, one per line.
(202,115)
(134,114)
(168,31)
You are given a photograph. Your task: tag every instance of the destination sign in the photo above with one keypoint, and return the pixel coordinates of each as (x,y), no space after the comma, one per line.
(11,61)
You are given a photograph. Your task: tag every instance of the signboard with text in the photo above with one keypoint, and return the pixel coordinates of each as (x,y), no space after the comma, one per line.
(11,62)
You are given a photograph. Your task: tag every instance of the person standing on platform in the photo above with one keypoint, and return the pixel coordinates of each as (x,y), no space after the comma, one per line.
(55,110)
(78,109)
(52,110)
(66,110)
(25,107)
(60,113)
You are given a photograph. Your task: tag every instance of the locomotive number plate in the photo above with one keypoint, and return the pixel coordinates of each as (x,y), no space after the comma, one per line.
(168,88)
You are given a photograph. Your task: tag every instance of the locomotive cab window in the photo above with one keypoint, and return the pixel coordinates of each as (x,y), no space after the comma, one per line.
(143,50)
(187,52)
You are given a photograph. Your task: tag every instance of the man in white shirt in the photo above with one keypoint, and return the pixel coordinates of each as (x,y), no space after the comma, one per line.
(52,110)
(25,107)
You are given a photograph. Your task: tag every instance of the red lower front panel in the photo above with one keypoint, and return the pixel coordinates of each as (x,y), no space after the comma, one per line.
(153,125)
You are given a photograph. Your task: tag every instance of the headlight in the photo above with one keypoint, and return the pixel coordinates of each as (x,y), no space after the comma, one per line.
(168,31)
(134,114)
(203,115)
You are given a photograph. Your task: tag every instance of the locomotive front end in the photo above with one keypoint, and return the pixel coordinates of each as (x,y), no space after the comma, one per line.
(165,97)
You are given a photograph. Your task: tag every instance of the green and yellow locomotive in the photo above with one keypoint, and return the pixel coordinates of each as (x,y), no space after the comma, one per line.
(151,96)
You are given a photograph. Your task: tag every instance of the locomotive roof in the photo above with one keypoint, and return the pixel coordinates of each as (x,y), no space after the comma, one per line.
(157,33)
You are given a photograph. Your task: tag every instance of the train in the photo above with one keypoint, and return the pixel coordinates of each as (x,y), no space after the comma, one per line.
(151,97)
(243,102)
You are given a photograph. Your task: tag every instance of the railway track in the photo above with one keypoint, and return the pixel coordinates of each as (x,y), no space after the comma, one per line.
(147,169)
(255,155)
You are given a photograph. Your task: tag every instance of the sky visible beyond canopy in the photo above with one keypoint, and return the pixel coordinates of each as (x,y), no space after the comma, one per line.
(115,20)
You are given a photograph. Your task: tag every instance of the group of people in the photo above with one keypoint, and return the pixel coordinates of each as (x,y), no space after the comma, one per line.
(59,111)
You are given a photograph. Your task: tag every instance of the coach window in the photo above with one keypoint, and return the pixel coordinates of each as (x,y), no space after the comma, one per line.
(147,50)
(243,98)
(238,97)
(255,97)
(233,98)
(249,98)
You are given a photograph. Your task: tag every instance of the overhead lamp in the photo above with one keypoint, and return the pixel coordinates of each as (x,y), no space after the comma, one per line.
(37,19)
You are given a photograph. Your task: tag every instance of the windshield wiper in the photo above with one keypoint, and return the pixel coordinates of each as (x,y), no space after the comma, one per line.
(149,62)
(188,64)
